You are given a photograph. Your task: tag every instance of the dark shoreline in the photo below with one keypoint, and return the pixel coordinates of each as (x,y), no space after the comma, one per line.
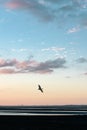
(71,117)
(32,122)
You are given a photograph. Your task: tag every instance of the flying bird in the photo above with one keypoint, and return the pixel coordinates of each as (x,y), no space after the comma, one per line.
(39,88)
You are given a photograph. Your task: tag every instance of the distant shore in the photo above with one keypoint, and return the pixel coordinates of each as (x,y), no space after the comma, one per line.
(48,107)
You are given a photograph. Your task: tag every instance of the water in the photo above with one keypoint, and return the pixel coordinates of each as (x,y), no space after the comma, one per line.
(40,117)
(41,112)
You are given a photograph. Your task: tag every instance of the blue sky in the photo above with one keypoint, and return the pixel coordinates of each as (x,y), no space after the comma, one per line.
(47,38)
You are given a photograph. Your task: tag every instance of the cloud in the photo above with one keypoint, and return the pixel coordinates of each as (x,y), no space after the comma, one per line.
(73,43)
(19,50)
(50,65)
(35,7)
(74,29)
(81,60)
(7,71)
(56,49)
(68,77)
(7,63)
(57,10)
(84,21)
(85,73)
(30,66)
(15,4)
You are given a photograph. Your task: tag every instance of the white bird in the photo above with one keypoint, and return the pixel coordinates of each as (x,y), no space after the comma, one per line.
(39,88)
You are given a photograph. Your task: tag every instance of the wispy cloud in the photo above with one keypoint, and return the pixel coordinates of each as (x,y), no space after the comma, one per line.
(85,73)
(56,49)
(19,50)
(68,77)
(35,7)
(58,10)
(30,66)
(73,43)
(81,60)
(74,29)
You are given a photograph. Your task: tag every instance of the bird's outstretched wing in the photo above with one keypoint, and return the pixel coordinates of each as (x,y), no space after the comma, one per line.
(39,88)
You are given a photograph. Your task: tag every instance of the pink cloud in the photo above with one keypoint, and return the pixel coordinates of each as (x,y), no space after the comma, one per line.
(44,72)
(25,64)
(7,71)
(10,66)
(2,61)
(14,4)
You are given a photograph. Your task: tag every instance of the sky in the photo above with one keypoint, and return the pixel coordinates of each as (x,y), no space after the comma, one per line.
(43,42)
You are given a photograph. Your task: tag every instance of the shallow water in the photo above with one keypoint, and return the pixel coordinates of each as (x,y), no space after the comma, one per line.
(41,112)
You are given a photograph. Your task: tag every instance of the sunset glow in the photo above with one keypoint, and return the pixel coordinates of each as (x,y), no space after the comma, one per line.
(43,42)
